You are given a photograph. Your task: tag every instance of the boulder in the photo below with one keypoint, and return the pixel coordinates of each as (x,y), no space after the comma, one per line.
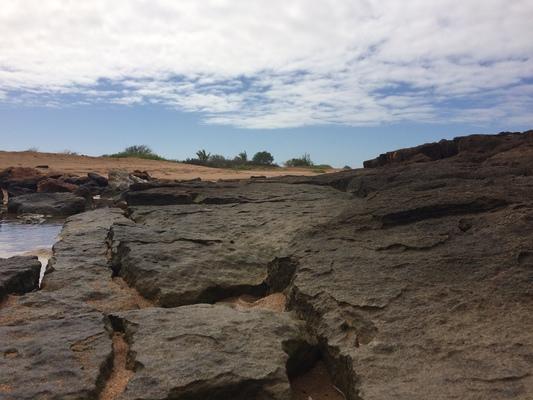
(55,204)
(50,185)
(99,180)
(18,275)
(120,180)
(144,175)
(20,180)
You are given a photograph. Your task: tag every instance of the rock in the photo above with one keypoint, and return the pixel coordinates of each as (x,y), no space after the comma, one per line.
(119,180)
(47,203)
(18,275)
(50,185)
(54,358)
(20,180)
(32,218)
(54,341)
(217,250)
(412,281)
(418,283)
(42,166)
(474,147)
(99,180)
(210,352)
(144,175)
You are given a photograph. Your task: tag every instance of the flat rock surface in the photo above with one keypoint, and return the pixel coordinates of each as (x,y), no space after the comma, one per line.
(184,254)
(18,275)
(56,204)
(210,352)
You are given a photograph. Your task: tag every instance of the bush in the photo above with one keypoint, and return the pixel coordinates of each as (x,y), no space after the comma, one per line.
(241,158)
(263,158)
(346,167)
(303,161)
(138,151)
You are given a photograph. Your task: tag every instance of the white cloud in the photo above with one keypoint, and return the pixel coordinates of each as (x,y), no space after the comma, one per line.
(256,64)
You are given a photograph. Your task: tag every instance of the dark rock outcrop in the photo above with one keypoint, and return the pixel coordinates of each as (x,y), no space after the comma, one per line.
(211,352)
(20,180)
(218,249)
(51,185)
(474,147)
(47,203)
(18,275)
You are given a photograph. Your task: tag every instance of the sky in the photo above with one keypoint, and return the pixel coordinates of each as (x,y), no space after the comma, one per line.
(342,80)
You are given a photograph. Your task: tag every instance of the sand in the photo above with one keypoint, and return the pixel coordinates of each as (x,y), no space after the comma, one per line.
(120,374)
(315,384)
(80,165)
(273,302)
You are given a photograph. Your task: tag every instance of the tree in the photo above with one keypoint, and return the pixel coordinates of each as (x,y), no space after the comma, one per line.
(203,155)
(263,158)
(242,157)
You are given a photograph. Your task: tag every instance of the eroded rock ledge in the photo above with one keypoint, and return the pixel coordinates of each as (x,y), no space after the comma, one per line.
(411,281)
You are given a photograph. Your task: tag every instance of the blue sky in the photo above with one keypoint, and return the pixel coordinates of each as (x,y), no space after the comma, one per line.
(343,80)
(96,130)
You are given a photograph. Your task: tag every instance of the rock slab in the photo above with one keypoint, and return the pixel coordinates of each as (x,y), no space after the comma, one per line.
(18,275)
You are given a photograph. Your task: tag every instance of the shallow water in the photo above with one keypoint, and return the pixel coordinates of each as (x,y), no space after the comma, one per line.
(17,238)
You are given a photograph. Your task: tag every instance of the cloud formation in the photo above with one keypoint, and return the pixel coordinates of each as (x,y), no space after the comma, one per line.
(257,64)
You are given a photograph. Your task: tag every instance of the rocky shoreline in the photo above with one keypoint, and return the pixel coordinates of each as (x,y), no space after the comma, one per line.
(409,279)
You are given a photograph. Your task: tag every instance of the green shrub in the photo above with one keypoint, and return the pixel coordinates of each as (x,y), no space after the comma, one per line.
(138,151)
(303,161)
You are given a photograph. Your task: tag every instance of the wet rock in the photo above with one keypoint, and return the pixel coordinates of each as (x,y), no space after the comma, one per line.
(47,203)
(210,352)
(50,185)
(32,218)
(18,275)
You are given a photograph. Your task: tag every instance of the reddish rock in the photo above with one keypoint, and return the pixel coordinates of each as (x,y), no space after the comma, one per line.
(20,175)
(474,148)
(50,185)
